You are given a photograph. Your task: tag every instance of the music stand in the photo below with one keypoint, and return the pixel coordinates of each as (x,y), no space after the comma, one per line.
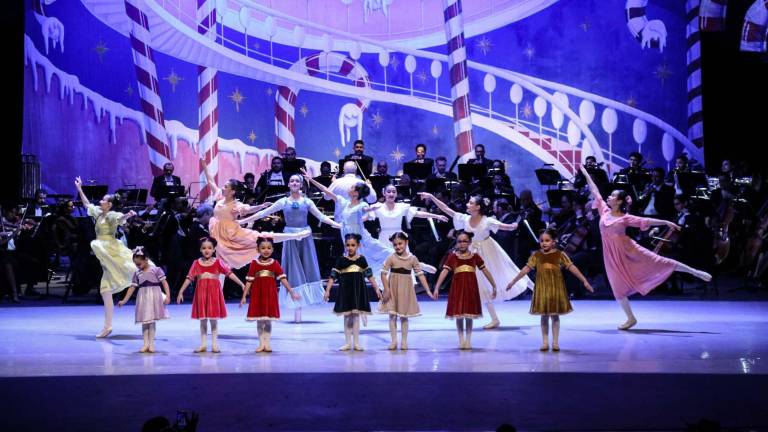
(294,166)
(548,176)
(275,191)
(134,197)
(435,184)
(380,182)
(173,192)
(471,172)
(417,171)
(689,181)
(555,197)
(95,192)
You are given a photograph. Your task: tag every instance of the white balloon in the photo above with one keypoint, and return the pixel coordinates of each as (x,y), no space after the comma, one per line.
(436,69)
(410,63)
(587,111)
(610,120)
(639,131)
(384,58)
(561,97)
(489,83)
(245,17)
(299,36)
(668,147)
(540,106)
(557,117)
(574,134)
(356,51)
(270,27)
(327,43)
(221,7)
(516,93)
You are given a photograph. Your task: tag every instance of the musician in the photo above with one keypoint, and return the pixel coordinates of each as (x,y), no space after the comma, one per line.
(681,166)
(341,185)
(656,199)
(598,174)
(39,206)
(382,170)
(359,154)
(480,158)
(65,229)
(635,165)
(292,165)
(564,219)
(421,155)
(441,173)
(163,181)
(503,211)
(525,243)
(326,177)
(276,176)
(692,245)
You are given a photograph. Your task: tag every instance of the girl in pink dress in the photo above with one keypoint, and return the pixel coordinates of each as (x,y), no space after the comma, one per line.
(208,303)
(630,267)
(237,246)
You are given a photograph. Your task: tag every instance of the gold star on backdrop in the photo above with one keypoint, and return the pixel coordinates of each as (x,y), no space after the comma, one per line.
(396,155)
(662,72)
(526,110)
(237,98)
(337,152)
(252,136)
(173,79)
(484,45)
(585,25)
(101,49)
(529,51)
(129,90)
(394,63)
(435,130)
(304,110)
(377,119)
(269,91)
(631,101)
(422,77)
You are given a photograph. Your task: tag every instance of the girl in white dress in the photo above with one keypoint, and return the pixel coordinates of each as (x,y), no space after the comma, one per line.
(391,213)
(498,262)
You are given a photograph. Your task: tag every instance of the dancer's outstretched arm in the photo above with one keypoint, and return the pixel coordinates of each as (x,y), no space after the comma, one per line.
(441,205)
(209,178)
(576,272)
(440,280)
(428,215)
(79,186)
(592,186)
(523,271)
(260,214)
(319,185)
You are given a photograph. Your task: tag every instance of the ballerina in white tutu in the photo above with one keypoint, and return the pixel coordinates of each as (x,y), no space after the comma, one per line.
(498,262)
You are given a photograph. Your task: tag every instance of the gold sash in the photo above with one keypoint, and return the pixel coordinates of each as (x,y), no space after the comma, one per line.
(464,269)
(354,268)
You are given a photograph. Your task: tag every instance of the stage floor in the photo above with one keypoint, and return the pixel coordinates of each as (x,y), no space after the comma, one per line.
(694,337)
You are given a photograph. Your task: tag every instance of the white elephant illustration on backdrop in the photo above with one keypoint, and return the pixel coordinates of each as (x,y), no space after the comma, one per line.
(350,117)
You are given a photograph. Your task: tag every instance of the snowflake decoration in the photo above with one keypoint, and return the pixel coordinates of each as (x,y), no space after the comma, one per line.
(662,72)
(529,51)
(304,110)
(631,101)
(422,77)
(101,49)
(526,110)
(394,63)
(484,45)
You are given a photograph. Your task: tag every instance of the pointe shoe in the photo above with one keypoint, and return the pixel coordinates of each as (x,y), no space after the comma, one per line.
(403,346)
(358,348)
(151,350)
(392,346)
(629,324)
(215,350)
(345,347)
(267,349)
(706,277)
(468,346)
(201,349)
(104,333)
(144,349)
(492,325)
(544,348)
(260,348)
(555,348)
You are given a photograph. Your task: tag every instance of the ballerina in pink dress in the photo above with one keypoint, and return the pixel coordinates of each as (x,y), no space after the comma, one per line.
(237,246)
(630,267)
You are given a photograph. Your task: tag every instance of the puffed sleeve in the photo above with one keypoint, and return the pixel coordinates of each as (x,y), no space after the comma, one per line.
(416,265)
(493,224)
(532,260)
(194,271)
(93,211)
(135,279)
(336,270)
(479,261)
(159,273)
(251,272)
(565,260)
(223,267)
(460,220)
(278,270)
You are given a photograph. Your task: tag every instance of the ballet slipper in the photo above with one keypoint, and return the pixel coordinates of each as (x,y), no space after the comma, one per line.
(201,349)
(358,348)
(492,325)
(104,333)
(392,346)
(629,324)
(344,347)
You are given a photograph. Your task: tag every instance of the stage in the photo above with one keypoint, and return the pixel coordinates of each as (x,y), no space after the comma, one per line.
(685,360)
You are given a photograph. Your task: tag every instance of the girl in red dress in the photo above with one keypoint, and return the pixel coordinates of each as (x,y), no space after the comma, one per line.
(464,298)
(264,306)
(208,303)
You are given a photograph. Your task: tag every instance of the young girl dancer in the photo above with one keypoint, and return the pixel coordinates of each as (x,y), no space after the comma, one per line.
(550,298)
(260,283)
(151,300)
(352,298)
(299,256)
(236,246)
(116,260)
(464,298)
(399,298)
(630,267)
(391,213)
(208,303)
(498,262)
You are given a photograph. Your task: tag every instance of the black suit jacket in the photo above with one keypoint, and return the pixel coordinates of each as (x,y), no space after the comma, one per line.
(158,183)
(487,162)
(261,185)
